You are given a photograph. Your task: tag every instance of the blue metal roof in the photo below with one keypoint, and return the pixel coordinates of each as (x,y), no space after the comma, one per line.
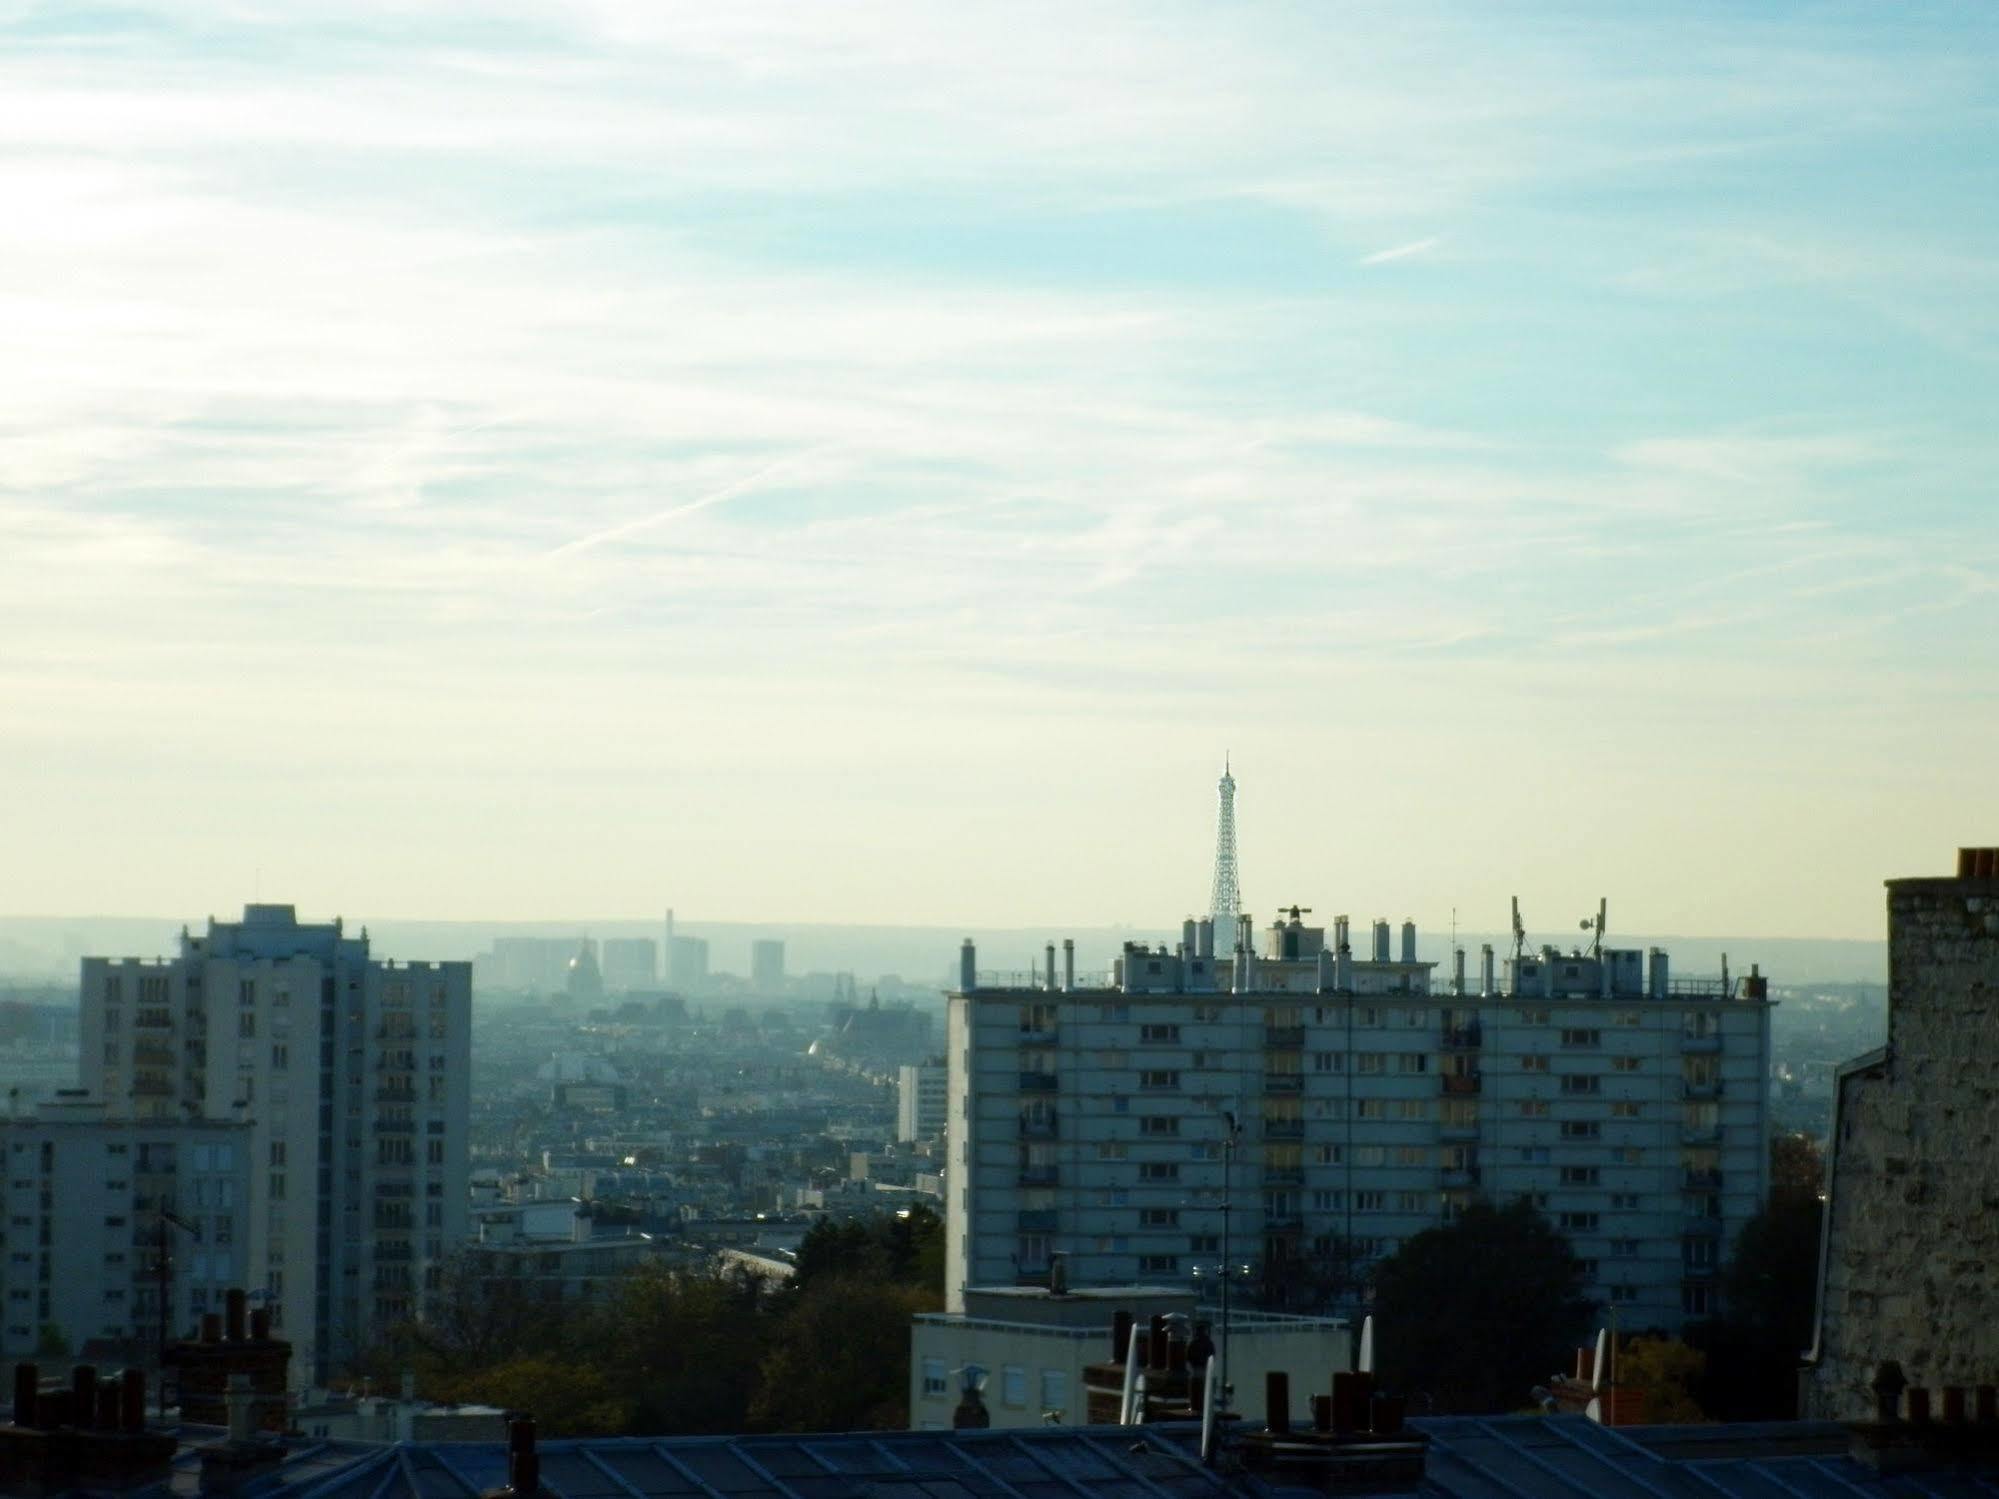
(1501,1457)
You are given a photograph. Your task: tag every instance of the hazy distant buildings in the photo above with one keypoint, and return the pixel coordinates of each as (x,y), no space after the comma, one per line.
(353,1075)
(1345,1104)
(1910,1269)
(920,1095)
(767,966)
(532,965)
(687,964)
(630,963)
(89,1196)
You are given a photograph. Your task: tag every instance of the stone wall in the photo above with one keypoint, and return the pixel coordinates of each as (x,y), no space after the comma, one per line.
(1912,1263)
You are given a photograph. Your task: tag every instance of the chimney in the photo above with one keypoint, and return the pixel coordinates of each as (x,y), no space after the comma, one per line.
(234,1303)
(1458,972)
(1051,968)
(968,967)
(1485,990)
(76,1438)
(1326,972)
(1408,941)
(1068,965)
(1207,936)
(1380,941)
(523,1461)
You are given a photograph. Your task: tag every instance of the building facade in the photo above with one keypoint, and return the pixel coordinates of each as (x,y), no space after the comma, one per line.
(89,1199)
(353,1076)
(922,1096)
(630,963)
(1334,1105)
(1910,1260)
(1035,1345)
(767,965)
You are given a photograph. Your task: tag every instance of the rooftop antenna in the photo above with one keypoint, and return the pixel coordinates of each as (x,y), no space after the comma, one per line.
(1225,903)
(1519,931)
(1595,927)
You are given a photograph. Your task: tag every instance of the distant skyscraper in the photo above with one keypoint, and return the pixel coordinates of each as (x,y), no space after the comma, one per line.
(1226,902)
(630,963)
(687,963)
(354,1077)
(767,966)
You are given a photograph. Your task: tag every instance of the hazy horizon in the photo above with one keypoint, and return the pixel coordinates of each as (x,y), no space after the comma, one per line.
(874,462)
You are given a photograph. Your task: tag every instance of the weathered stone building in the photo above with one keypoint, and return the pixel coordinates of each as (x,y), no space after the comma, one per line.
(1909,1267)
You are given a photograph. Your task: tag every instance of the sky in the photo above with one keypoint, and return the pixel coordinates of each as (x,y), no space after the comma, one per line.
(872,462)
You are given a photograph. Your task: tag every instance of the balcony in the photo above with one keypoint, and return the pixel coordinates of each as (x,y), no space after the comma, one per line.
(1283,1129)
(395,1126)
(1035,1127)
(1459,1176)
(1458,1129)
(1038,1036)
(1700,1134)
(1039,1176)
(1698,1045)
(1700,1090)
(152,1087)
(145,1054)
(1037,1082)
(1284,1082)
(395,1095)
(1284,1225)
(1459,1084)
(1284,1037)
(1462,1037)
(1701,1181)
(1698,1275)
(1702,1227)
(1037,1221)
(1284,1176)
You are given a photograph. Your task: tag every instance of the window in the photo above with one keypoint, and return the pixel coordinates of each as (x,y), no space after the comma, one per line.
(1327,1155)
(1534,1155)
(1624,1202)
(1159,1264)
(1110,1150)
(1581,1082)
(1581,1129)
(1013,1385)
(1159,1218)
(1054,1390)
(1578,1222)
(1533,1062)
(1370,1155)
(1412,1155)
(1575,1038)
(1580,1176)
(1370,1108)
(934,1378)
(1625,1109)
(1533,1017)
(1204,1243)
(1159,1171)
(1624,1292)
(1626,1064)
(1369,1202)
(1159,1035)
(1412,1061)
(1624,1249)
(1410,1202)
(1534,1108)
(1696,1301)
(1158,1080)
(1325,1201)
(1370,1063)
(1159,1124)
(1367,1016)
(1329,1061)
(1630,1017)
(1412,1108)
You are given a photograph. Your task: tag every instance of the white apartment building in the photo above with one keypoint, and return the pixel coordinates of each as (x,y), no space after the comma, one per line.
(921,1101)
(1367,1102)
(353,1076)
(87,1200)
(1035,1346)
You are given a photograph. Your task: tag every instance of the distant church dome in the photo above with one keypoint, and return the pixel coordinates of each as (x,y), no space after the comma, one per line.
(584,981)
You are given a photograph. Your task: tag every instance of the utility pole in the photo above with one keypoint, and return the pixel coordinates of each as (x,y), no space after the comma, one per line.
(1228,1267)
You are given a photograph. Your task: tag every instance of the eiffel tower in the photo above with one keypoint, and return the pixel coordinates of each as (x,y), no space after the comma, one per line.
(1226,903)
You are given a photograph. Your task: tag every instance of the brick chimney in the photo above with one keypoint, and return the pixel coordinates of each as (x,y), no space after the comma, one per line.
(228,1346)
(88,1434)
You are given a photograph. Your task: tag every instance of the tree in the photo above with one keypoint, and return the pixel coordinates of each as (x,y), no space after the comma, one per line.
(1667,1371)
(1476,1313)
(906,1248)
(52,1342)
(687,1345)
(1769,1295)
(567,1398)
(839,1360)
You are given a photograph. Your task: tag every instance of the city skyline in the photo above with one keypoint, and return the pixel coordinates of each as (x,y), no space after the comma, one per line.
(872,467)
